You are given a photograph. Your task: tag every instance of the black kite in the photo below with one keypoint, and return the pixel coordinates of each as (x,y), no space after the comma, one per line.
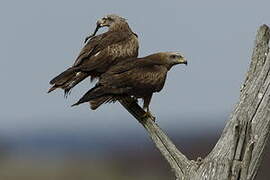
(100,53)
(136,77)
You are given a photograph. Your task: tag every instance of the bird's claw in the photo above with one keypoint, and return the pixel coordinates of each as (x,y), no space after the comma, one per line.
(149,115)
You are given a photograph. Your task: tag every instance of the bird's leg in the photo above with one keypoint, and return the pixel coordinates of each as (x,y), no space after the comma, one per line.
(132,100)
(148,114)
(146,103)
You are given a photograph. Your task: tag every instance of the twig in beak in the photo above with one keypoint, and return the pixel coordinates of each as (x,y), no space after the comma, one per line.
(92,35)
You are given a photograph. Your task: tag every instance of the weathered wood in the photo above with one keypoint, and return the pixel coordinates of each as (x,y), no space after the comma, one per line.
(238,153)
(176,159)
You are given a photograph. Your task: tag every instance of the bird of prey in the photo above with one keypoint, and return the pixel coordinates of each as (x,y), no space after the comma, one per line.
(136,77)
(100,53)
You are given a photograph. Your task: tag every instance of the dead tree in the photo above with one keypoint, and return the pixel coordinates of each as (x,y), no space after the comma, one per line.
(238,153)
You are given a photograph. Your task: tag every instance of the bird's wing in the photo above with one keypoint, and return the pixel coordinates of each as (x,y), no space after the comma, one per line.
(151,78)
(99,43)
(129,64)
(136,76)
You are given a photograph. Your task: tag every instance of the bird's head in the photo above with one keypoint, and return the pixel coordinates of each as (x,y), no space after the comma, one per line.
(110,20)
(173,58)
(168,59)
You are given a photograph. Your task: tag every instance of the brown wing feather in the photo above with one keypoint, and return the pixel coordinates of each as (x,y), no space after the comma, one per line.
(105,58)
(132,72)
(126,66)
(150,79)
(88,49)
(137,80)
(99,43)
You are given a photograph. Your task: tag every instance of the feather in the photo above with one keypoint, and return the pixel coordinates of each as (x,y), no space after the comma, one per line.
(95,103)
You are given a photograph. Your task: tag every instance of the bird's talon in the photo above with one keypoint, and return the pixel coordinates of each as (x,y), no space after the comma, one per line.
(149,115)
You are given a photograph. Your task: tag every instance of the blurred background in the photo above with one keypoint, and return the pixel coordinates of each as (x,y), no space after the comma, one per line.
(42,137)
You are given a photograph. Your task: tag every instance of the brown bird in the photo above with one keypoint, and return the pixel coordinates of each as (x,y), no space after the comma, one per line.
(100,53)
(136,77)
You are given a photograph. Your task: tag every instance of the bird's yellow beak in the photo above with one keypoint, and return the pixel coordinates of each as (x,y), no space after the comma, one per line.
(182,60)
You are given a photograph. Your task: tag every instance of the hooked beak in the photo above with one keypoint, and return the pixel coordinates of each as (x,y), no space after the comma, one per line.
(101,23)
(183,61)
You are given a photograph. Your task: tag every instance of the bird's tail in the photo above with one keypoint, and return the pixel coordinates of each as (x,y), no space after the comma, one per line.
(67,80)
(64,76)
(94,93)
(74,81)
(95,103)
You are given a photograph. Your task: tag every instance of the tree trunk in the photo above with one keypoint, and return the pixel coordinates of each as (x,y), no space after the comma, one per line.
(238,153)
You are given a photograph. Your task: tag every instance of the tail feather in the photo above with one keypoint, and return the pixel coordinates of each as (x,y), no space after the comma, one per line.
(67,80)
(62,77)
(52,88)
(73,82)
(95,92)
(95,103)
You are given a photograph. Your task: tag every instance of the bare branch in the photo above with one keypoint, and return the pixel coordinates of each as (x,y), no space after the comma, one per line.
(176,159)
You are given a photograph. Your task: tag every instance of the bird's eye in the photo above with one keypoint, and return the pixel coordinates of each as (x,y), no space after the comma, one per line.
(110,19)
(173,56)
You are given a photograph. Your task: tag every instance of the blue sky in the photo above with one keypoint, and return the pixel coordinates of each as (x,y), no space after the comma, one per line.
(39,39)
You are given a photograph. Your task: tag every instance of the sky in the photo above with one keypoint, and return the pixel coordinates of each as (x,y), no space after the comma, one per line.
(39,39)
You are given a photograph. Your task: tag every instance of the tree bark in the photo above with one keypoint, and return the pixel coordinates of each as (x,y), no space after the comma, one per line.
(238,153)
